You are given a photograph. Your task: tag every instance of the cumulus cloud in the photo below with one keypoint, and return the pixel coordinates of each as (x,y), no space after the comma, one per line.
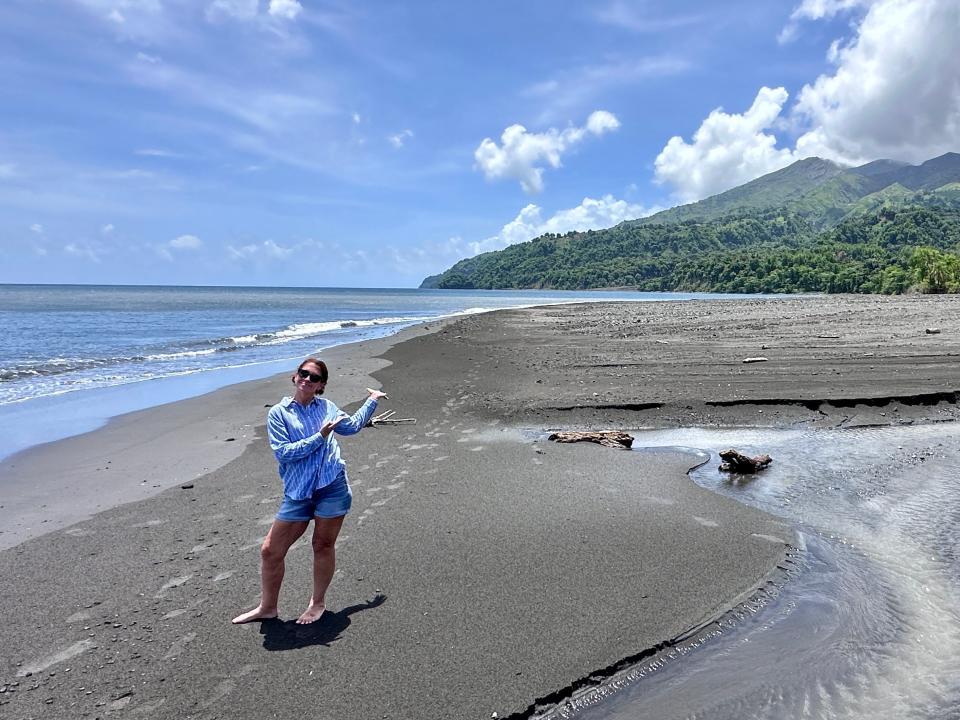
(894,93)
(591,214)
(178,244)
(107,229)
(728,149)
(287,9)
(400,138)
(521,154)
(896,89)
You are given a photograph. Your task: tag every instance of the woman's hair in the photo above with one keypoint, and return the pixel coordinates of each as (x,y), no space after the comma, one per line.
(324,373)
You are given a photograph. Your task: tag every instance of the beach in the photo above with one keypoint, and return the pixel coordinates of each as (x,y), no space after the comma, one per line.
(483,569)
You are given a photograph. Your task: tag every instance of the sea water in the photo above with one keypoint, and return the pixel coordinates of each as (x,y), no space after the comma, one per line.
(72,356)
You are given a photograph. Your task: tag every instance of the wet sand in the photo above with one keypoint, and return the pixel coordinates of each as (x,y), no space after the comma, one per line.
(482,568)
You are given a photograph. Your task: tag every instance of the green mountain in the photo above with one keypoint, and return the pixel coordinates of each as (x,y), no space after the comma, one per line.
(820,190)
(813,226)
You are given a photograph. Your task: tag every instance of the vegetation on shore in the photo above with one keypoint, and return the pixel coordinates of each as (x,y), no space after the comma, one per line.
(882,228)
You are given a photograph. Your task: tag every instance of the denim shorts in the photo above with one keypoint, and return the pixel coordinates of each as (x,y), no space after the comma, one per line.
(330,501)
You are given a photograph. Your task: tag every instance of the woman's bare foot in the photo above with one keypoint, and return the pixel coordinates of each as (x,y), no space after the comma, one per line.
(258,613)
(312,613)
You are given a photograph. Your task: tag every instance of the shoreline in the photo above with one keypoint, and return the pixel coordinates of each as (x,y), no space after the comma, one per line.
(507,568)
(107,467)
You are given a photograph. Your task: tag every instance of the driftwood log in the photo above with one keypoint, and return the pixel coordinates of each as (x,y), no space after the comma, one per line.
(607,438)
(736,462)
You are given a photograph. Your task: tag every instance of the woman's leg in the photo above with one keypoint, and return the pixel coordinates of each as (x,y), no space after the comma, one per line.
(325,532)
(282,535)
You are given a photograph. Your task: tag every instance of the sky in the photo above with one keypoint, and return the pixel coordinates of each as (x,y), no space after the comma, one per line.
(371,144)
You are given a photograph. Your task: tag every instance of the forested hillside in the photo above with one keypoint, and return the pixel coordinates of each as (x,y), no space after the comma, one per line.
(884,227)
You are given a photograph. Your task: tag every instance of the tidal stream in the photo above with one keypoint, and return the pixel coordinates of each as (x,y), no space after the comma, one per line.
(868,623)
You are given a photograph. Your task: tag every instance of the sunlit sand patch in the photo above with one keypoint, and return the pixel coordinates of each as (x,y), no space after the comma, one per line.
(223,576)
(255,544)
(77,532)
(214,518)
(36,666)
(381,503)
(770,538)
(78,616)
(431,471)
(705,522)
(363,467)
(175,582)
(659,500)
(201,547)
(478,448)
(174,613)
(148,524)
(244,498)
(395,486)
(270,500)
(440,458)
(179,646)
(372,490)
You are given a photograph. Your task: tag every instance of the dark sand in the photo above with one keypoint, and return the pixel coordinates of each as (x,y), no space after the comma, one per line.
(482,568)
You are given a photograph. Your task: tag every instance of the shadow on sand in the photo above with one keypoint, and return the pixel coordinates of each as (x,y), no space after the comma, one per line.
(287,635)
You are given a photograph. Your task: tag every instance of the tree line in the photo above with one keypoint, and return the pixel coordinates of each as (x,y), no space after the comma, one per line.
(915,249)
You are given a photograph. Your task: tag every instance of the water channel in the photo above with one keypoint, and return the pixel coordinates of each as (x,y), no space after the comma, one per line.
(867,625)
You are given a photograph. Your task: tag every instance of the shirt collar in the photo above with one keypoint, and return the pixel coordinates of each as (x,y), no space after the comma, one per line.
(288,401)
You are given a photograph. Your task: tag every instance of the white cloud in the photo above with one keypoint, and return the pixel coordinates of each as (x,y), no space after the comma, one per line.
(521,154)
(636,19)
(37,228)
(265,250)
(107,229)
(400,138)
(591,214)
(895,94)
(83,251)
(356,118)
(185,242)
(896,90)
(817,10)
(287,9)
(156,152)
(236,9)
(727,150)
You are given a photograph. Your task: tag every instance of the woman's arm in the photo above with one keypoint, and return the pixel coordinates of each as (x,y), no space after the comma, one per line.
(285,449)
(361,417)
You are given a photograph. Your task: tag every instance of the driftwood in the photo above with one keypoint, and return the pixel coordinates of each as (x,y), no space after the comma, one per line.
(387,418)
(607,438)
(736,462)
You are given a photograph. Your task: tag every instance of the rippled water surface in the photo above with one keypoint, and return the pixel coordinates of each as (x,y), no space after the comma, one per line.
(869,624)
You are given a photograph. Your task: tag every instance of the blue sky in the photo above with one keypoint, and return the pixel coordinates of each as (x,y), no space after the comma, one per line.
(316,143)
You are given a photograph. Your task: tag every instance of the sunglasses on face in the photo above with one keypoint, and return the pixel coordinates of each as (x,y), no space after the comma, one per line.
(307,374)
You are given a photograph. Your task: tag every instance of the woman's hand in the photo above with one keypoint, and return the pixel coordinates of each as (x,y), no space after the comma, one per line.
(376,394)
(329,425)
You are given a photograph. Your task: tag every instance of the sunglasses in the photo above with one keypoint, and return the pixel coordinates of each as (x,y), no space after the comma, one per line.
(307,374)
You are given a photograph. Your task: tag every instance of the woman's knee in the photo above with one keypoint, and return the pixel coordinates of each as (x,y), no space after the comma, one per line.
(271,551)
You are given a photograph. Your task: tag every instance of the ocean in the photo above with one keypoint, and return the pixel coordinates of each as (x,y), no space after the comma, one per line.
(84,353)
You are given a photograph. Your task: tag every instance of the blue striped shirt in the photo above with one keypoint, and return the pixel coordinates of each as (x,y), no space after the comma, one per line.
(308,461)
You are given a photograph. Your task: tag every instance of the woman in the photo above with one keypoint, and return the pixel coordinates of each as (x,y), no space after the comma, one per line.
(314,485)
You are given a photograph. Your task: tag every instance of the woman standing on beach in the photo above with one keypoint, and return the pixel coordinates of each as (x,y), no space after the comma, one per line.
(314,485)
